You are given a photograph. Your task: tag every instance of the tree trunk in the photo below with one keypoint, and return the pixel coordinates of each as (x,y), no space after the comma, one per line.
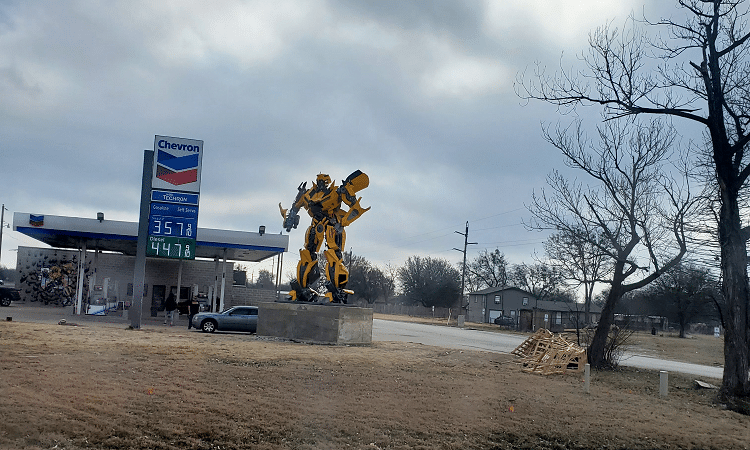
(599,342)
(735,388)
(735,288)
(681,316)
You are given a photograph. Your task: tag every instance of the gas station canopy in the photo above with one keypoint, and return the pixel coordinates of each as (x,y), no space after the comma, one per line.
(122,237)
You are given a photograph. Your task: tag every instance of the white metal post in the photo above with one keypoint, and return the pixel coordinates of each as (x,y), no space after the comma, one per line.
(179,279)
(214,303)
(663,383)
(81,266)
(92,281)
(223,280)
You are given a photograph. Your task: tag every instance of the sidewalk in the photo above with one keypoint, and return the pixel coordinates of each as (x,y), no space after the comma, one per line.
(40,313)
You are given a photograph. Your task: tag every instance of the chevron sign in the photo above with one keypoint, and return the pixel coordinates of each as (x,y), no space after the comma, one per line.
(177,164)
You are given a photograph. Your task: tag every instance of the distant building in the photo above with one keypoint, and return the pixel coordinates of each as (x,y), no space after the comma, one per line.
(527,312)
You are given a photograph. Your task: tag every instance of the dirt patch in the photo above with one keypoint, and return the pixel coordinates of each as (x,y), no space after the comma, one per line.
(97,386)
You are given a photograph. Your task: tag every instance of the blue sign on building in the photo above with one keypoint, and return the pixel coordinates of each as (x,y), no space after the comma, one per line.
(180,198)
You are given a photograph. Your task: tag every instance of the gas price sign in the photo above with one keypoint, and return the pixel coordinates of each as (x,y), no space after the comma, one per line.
(171,247)
(171,230)
(172,226)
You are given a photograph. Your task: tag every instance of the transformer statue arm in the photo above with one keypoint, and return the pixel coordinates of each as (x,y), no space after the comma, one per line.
(291,216)
(353,184)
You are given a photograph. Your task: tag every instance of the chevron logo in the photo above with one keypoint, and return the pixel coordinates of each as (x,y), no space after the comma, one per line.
(176,170)
(36,220)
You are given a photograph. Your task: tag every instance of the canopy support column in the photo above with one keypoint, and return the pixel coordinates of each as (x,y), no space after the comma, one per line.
(278,275)
(179,280)
(223,280)
(215,294)
(81,267)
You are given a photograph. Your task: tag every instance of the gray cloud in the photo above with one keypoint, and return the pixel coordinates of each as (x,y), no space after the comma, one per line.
(419,95)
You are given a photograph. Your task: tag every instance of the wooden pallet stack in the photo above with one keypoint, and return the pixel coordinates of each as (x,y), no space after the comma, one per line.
(547,354)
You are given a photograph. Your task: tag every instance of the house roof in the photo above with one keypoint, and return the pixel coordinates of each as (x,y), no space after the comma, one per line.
(545,305)
(122,237)
(496,289)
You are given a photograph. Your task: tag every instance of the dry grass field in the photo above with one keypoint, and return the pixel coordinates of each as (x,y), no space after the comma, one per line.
(99,386)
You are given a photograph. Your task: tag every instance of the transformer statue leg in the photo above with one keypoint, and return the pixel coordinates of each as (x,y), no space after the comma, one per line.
(336,274)
(308,272)
(307,275)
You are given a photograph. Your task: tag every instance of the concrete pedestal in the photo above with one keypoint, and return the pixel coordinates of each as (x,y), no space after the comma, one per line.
(319,324)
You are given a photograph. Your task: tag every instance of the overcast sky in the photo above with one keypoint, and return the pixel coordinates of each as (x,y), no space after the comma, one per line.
(418,95)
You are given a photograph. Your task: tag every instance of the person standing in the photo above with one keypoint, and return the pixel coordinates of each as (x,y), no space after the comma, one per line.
(170,307)
(192,310)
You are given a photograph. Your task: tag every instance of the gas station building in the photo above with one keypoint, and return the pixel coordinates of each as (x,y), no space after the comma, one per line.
(101,255)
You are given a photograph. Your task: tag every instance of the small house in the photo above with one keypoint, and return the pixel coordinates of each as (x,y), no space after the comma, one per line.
(525,310)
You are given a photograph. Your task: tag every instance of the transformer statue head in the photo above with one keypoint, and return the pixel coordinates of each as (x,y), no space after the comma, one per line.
(323,181)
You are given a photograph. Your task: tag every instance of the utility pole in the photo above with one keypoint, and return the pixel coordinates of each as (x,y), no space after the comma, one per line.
(463,273)
(2,224)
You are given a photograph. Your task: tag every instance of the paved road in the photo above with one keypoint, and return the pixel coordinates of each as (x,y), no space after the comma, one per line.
(383,330)
(440,336)
(464,338)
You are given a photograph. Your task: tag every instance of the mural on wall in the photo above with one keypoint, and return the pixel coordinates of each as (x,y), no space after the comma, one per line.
(51,278)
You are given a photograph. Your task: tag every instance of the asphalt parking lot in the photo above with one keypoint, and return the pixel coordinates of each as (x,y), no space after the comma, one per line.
(34,312)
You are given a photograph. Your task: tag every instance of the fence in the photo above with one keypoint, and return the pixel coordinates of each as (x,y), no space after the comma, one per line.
(241,295)
(247,296)
(411,310)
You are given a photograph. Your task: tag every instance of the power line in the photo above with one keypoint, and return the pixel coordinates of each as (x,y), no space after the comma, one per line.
(409,238)
(500,226)
(512,243)
(498,214)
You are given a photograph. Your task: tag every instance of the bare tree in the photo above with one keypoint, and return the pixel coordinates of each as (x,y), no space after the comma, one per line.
(540,279)
(390,272)
(578,259)
(632,216)
(430,281)
(7,274)
(367,281)
(686,292)
(265,280)
(702,77)
(488,269)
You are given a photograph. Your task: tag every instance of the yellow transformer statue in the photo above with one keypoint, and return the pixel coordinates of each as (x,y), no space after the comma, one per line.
(323,202)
